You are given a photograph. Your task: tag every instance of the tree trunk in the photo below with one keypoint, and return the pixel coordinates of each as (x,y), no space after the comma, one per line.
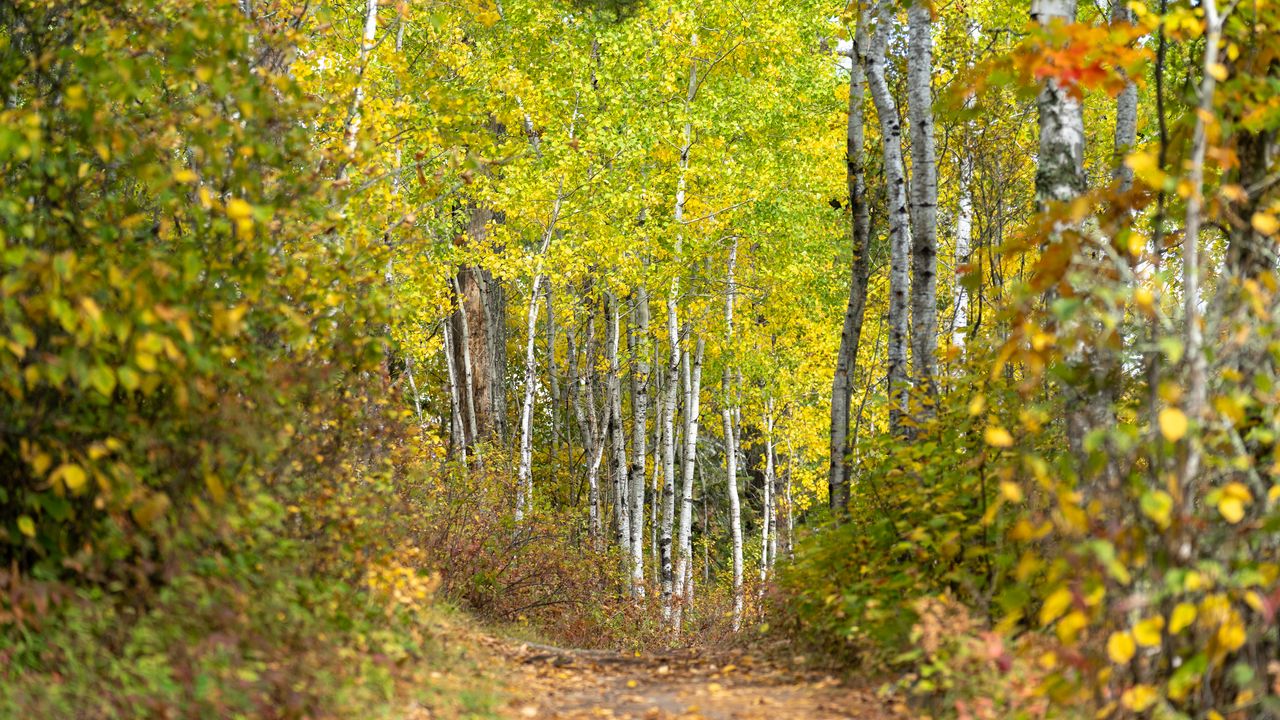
(767,534)
(351,127)
(462,359)
(1060,164)
(728,412)
(669,455)
(457,428)
(1250,252)
(622,510)
(899,221)
(964,241)
(524,474)
(1196,371)
(1126,110)
(692,375)
(673,364)
(639,337)
(582,390)
(924,200)
(855,310)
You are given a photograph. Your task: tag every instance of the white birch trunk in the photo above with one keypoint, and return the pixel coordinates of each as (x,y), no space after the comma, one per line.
(1126,111)
(464,341)
(1196,371)
(524,474)
(766,509)
(692,394)
(457,429)
(622,510)
(639,420)
(655,485)
(670,404)
(873,61)
(584,410)
(351,128)
(964,242)
(924,198)
(729,414)
(791,522)
(1060,164)
(855,309)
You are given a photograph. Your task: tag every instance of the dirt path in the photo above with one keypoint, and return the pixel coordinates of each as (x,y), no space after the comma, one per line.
(556,684)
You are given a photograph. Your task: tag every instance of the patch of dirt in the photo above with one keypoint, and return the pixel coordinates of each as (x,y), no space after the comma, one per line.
(558,684)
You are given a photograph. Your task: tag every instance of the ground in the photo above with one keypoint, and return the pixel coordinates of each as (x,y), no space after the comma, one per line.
(558,684)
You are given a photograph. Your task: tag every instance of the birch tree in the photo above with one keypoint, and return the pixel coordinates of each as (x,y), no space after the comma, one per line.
(728,412)
(924,198)
(351,128)
(860,270)
(872,55)
(621,490)
(639,339)
(691,373)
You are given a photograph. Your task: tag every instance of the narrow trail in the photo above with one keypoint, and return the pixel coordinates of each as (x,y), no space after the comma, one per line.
(558,684)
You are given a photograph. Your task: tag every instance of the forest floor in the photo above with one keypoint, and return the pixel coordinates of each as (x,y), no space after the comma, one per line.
(551,683)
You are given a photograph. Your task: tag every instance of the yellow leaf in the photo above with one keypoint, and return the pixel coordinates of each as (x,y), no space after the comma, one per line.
(72,476)
(1120,647)
(184,176)
(1139,697)
(41,462)
(1054,605)
(1265,223)
(1147,632)
(1146,168)
(977,405)
(1239,491)
(997,437)
(1183,615)
(238,209)
(1232,509)
(26,526)
(1231,635)
(1218,71)
(1145,300)
(1011,491)
(1173,424)
(1071,626)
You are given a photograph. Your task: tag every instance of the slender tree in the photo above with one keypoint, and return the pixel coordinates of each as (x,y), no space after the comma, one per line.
(924,198)
(872,55)
(860,270)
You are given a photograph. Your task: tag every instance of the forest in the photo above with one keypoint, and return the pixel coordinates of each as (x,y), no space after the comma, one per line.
(640,358)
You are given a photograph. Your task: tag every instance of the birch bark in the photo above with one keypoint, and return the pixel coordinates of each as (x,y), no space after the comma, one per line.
(873,61)
(855,310)
(670,403)
(351,127)
(1060,163)
(924,199)
(691,371)
(524,474)
(639,418)
(622,509)
(728,413)
(1126,110)
(1196,381)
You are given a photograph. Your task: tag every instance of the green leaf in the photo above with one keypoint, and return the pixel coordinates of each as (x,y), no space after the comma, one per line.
(102,379)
